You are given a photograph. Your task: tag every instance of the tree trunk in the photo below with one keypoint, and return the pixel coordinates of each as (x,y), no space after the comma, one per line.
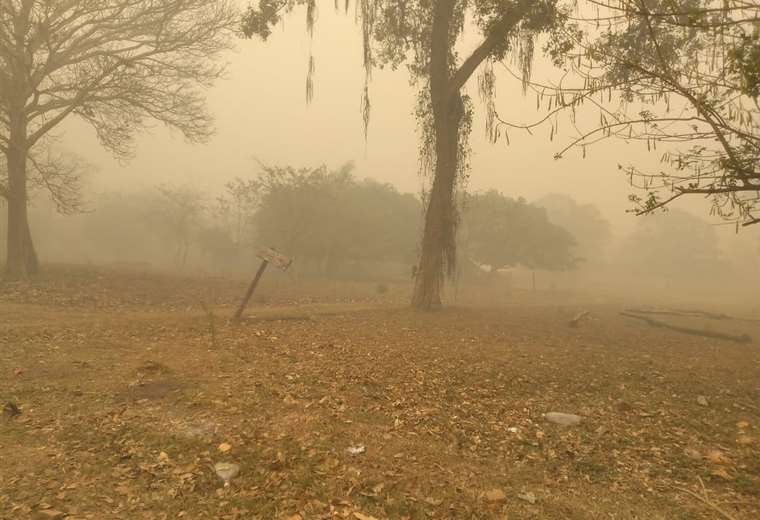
(438,256)
(31,260)
(21,259)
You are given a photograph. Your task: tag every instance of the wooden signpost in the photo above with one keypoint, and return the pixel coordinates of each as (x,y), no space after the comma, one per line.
(268,255)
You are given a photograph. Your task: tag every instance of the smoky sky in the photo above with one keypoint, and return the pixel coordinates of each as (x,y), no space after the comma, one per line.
(261,114)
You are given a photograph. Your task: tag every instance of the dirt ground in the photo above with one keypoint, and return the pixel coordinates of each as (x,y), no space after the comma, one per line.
(339,401)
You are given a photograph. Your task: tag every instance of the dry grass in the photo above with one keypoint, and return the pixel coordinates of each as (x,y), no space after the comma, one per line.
(126,399)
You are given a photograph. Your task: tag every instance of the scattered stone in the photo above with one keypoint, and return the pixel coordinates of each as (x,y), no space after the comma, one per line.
(357,450)
(224,447)
(528,497)
(226,471)
(702,401)
(495,495)
(563,419)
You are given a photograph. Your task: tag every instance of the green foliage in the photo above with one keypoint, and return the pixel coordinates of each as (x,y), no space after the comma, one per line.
(328,218)
(500,231)
(592,232)
(683,75)
(259,19)
(746,63)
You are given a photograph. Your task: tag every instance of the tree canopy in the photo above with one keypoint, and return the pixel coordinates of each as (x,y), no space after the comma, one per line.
(328,218)
(591,231)
(680,76)
(500,232)
(676,246)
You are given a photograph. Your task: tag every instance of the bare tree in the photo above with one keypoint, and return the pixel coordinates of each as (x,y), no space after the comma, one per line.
(60,175)
(182,215)
(116,64)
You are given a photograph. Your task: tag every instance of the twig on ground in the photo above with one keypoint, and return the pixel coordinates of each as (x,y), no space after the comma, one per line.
(705,499)
(210,318)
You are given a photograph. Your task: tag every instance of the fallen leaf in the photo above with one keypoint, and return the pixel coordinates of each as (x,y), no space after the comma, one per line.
(717,457)
(361,516)
(224,447)
(745,440)
(742,425)
(495,495)
(722,473)
(692,453)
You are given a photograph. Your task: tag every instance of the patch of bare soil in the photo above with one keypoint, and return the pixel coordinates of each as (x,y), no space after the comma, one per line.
(366,411)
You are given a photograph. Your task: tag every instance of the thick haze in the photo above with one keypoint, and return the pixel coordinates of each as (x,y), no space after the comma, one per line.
(261,114)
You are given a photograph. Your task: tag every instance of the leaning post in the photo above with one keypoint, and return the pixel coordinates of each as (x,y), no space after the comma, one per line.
(267,255)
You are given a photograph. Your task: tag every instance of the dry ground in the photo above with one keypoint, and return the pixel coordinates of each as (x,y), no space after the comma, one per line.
(129,391)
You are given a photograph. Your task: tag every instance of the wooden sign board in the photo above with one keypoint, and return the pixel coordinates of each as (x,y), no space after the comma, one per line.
(275,257)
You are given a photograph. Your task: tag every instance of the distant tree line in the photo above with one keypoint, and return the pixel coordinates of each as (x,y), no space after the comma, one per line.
(333,223)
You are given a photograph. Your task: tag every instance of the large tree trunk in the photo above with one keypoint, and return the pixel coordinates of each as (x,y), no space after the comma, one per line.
(438,256)
(21,259)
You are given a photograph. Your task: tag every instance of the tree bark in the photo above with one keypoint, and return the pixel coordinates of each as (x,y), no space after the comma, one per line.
(21,257)
(438,253)
(438,257)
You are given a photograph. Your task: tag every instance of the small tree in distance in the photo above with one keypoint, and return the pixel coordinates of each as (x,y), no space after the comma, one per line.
(328,218)
(677,248)
(501,232)
(592,232)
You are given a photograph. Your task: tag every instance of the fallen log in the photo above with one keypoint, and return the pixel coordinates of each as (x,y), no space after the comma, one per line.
(743,338)
(690,314)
